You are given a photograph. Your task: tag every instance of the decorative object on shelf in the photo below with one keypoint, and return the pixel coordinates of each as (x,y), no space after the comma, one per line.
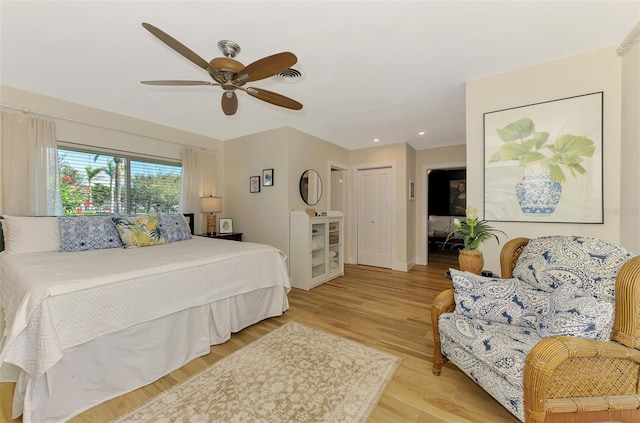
(537,176)
(211,205)
(267,177)
(254,184)
(226,225)
(473,232)
(310,187)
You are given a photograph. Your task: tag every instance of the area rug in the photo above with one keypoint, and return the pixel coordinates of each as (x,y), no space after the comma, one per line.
(293,374)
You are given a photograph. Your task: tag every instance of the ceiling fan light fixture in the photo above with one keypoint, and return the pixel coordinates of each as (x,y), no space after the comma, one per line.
(225,64)
(229,48)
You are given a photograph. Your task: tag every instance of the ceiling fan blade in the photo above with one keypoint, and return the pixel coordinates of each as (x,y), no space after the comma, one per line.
(267,66)
(229,103)
(177,82)
(273,98)
(176,45)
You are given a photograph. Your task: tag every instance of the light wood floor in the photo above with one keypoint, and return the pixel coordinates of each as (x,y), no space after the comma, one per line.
(384,309)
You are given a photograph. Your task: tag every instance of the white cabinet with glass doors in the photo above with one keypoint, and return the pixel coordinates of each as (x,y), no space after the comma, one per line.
(315,249)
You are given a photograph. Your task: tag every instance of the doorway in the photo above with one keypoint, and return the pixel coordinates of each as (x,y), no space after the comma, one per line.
(338,197)
(446,201)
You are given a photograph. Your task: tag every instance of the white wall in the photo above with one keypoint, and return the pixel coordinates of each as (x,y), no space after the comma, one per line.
(264,217)
(599,70)
(630,157)
(412,206)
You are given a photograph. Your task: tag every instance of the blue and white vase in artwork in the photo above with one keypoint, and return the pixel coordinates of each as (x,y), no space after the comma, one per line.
(537,195)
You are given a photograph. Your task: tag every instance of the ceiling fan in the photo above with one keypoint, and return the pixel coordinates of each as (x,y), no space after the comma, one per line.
(230,74)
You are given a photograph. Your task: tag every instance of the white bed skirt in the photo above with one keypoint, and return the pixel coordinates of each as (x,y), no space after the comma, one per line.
(131,358)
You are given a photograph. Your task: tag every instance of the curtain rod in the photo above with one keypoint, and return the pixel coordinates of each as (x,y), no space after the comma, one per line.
(108,151)
(630,40)
(28,111)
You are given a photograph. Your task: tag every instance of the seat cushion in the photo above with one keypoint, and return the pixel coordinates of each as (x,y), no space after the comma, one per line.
(500,346)
(587,263)
(492,354)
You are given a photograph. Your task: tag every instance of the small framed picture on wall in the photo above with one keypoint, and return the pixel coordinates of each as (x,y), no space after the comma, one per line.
(254,184)
(267,177)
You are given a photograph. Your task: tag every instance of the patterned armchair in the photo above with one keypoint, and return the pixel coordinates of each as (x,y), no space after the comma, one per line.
(557,339)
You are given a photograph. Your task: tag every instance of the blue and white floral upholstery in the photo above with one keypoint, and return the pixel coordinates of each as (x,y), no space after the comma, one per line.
(492,354)
(561,285)
(81,233)
(588,263)
(573,312)
(498,300)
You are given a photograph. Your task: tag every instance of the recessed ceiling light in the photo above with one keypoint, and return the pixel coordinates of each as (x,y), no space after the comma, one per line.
(421,133)
(376,140)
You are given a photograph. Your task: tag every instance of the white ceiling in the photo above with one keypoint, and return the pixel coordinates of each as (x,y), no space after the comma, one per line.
(373,69)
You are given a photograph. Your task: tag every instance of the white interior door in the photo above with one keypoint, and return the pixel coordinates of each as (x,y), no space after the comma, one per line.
(374,217)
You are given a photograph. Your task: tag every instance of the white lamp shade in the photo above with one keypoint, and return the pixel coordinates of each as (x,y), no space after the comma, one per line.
(210,204)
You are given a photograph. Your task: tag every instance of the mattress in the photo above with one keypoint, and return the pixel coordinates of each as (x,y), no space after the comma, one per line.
(52,303)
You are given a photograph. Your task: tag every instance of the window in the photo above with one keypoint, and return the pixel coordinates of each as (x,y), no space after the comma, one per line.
(100,182)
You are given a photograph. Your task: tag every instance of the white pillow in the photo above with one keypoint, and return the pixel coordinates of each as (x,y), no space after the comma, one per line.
(30,234)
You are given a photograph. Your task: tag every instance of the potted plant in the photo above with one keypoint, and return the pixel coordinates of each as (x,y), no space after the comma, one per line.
(473,232)
(544,163)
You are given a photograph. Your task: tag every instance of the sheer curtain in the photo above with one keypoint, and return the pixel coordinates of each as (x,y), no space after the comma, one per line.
(28,165)
(199,169)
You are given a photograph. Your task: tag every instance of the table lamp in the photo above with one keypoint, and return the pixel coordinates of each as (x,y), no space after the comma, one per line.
(211,205)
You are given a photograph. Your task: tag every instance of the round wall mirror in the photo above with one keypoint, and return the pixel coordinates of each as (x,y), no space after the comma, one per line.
(310,187)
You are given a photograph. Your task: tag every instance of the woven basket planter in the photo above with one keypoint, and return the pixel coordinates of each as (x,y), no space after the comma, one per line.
(471,261)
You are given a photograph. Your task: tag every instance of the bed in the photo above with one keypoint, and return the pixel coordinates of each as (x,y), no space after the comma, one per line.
(78,328)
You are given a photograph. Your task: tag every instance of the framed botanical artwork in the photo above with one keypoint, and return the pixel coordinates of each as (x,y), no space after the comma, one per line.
(226,225)
(267,177)
(254,184)
(543,162)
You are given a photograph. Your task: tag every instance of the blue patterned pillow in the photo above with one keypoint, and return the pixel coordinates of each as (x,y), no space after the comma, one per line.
(574,312)
(498,300)
(81,233)
(588,263)
(174,227)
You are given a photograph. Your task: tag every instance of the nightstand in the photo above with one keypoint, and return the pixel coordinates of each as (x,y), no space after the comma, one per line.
(233,236)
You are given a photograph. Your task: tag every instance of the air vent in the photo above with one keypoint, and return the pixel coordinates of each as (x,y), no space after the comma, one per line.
(289,76)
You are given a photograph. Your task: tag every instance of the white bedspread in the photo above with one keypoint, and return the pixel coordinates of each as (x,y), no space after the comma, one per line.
(52,301)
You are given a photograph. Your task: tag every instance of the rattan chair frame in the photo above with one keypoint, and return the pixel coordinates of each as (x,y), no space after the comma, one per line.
(570,379)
